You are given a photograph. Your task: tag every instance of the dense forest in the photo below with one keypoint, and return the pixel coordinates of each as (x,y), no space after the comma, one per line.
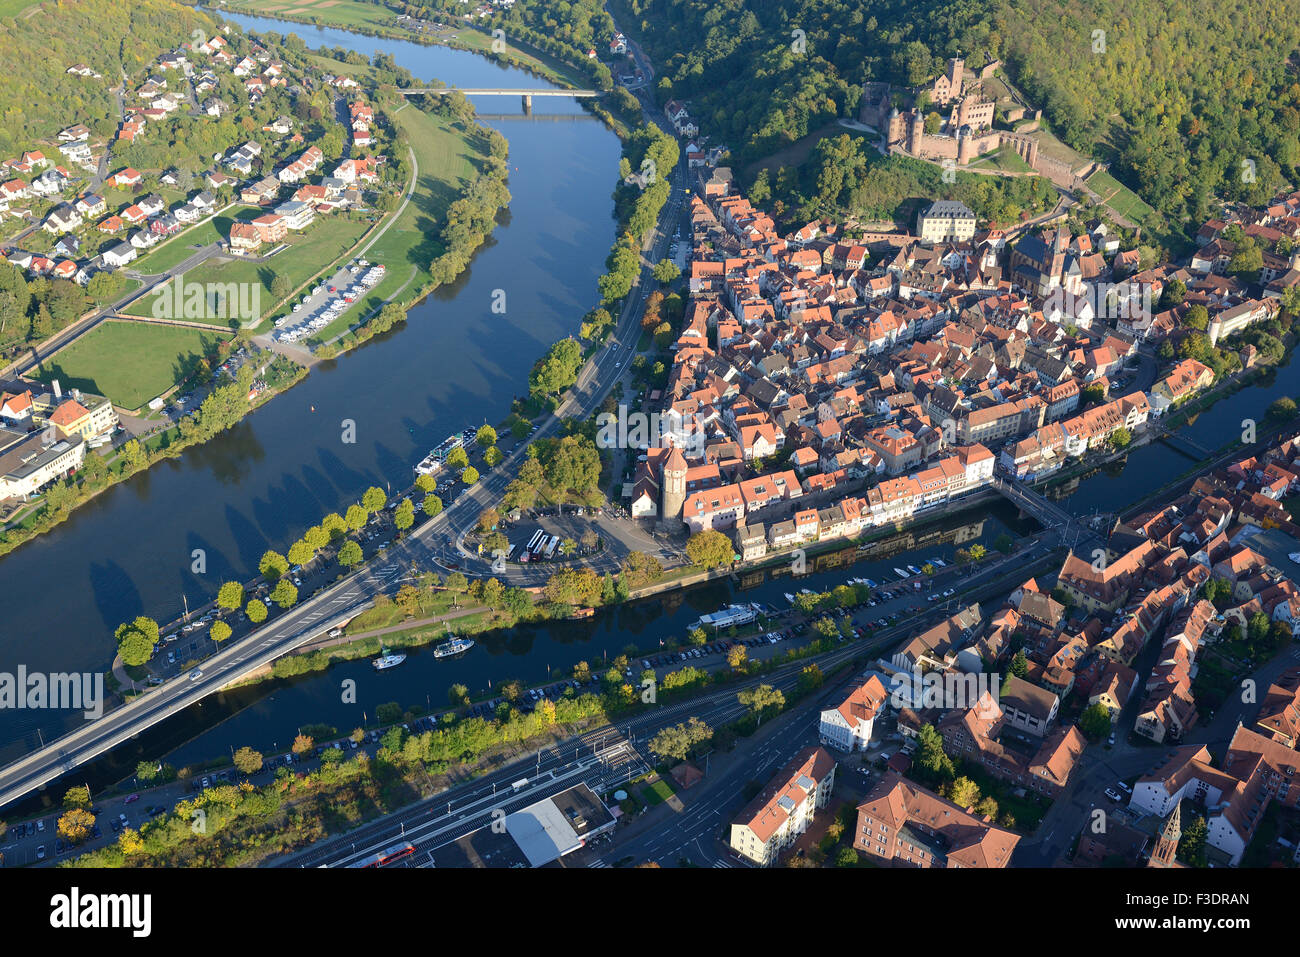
(1187,101)
(38,97)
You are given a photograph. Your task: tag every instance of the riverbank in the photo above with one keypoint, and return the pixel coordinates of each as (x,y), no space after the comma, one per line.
(98,475)
(377,20)
(452,158)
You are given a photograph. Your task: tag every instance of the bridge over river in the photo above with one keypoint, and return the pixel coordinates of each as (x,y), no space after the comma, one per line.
(501,91)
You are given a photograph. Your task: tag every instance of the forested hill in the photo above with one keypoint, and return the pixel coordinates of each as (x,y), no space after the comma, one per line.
(1177,95)
(1182,93)
(38,97)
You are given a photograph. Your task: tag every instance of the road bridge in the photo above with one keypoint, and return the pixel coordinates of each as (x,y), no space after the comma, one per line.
(527,95)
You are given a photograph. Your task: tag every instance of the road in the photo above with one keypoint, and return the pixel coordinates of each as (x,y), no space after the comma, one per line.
(340,601)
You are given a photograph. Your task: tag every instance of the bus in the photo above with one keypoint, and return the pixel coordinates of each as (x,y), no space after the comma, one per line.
(532,542)
(552,545)
(386,856)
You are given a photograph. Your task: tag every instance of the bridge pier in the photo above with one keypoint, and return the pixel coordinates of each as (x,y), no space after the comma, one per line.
(528,104)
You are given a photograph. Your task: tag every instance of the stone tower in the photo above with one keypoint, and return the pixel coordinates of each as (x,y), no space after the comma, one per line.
(1167,843)
(673,484)
(956,79)
(916,130)
(965,146)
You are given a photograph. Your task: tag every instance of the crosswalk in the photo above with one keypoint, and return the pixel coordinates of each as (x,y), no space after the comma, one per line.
(722,864)
(598,864)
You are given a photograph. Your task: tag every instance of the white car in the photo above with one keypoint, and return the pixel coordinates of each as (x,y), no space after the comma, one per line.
(196,674)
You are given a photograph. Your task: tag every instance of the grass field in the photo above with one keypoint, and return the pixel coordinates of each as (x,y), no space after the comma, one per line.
(657,793)
(130,362)
(306,255)
(1005,159)
(11,8)
(183,245)
(447,156)
(1119,197)
(343,12)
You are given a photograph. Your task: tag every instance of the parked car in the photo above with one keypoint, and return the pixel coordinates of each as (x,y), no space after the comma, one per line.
(1113,795)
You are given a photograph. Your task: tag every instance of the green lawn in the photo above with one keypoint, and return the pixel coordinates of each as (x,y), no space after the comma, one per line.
(181,246)
(1119,197)
(656,793)
(308,252)
(1005,159)
(447,156)
(130,362)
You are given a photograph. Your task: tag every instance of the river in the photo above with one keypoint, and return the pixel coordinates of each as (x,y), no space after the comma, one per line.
(454,363)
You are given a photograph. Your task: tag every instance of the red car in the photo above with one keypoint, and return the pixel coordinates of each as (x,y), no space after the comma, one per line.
(131,798)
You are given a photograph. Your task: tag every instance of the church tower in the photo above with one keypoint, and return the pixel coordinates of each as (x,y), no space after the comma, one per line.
(1167,843)
(673,483)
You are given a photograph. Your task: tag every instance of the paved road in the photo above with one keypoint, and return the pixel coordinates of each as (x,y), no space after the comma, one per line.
(321,612)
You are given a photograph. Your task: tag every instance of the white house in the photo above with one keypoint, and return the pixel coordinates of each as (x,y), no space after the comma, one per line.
(848,727)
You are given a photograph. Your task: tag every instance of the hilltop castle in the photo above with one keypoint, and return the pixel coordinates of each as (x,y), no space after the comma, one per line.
(964,136)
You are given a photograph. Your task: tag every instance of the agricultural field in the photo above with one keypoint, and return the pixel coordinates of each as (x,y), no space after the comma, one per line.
(343,12)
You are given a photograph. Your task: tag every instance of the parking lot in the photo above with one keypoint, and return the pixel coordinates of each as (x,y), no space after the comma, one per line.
(328,300)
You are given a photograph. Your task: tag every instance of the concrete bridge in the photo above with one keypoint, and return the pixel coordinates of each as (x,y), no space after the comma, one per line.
(1047,512)
(526,94)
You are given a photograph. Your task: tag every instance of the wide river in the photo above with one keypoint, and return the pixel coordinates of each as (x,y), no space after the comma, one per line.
(453,364)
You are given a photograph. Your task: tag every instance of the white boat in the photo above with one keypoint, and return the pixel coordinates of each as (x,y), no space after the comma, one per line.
(900,573)
(1295,557)
(789,597)
(938,562)
(453,646)
(388,661)
(806,591)
(729,616)
(913,569)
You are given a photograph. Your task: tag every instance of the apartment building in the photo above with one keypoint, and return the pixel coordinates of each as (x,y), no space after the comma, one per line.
(784,809)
